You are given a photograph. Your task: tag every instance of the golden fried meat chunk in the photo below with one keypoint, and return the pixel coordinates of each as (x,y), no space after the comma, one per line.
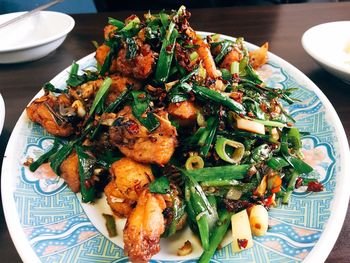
(129,180)
(70,172)
(137,143)
(139,67)
(87,91)
(45,111)
(184,111)
(144,227)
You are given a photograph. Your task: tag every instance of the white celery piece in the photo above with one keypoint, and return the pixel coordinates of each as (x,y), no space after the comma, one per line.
(251,126)
(241,232)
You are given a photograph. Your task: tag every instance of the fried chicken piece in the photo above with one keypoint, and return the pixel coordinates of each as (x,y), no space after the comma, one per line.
(230,57)
(144,227)
(139,67)
(120,206)
(129,179)
(137,143)
(87,91)
(108,31)
(184,111)
(70,172)
(258,57)
(45,111)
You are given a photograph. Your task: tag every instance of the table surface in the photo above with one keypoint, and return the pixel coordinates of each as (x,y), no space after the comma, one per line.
(281,25)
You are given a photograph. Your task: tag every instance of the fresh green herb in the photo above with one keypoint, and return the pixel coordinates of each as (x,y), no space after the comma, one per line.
(45,157)
(62,154)
(139,107)
(110,225)
(226,47)
(167,50)
(160,186)
(86,164)
(112,21)
(219,98)
(97,104)
(51,88)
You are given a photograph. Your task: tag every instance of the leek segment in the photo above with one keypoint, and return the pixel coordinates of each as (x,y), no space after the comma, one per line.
(220,148)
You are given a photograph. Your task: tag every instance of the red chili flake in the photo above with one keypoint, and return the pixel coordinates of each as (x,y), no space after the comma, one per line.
(237,96)
(87,184)
(257,226)
(141,96)
(169,48)
(152,139)
(235,76)
(132,127)
(130,18)
(263,107)
(268,201)
(28,162)
(314,187)
(298,182)
(242,243)
(250,114)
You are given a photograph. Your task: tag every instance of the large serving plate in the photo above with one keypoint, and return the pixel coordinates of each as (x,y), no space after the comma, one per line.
(48,222)
(2,113)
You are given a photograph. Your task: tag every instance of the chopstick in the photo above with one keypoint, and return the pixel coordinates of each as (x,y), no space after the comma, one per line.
(21,17)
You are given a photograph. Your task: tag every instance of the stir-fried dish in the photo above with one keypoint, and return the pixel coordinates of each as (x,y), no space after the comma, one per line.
(176,130)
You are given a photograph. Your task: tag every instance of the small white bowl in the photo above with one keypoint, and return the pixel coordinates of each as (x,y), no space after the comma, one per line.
(329,45)
(34,37)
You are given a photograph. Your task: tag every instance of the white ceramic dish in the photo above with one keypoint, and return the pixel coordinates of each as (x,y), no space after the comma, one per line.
(33,37)
(2,113)
(329,45)
(48,222)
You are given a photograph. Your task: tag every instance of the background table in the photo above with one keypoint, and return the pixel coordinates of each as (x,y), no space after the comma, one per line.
(281,25)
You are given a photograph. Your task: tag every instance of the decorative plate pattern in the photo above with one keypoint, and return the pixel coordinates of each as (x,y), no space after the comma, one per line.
(49,223)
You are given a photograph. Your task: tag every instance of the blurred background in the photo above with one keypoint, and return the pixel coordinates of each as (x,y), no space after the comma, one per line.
(93,6)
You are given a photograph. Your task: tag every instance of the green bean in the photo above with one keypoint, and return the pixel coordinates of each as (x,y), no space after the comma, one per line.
(277,163)
(205,215)
(167,50)
(220,183)
(290,187)
(229,172)
(112,21)
(212,125)
(217,236)
(219,98)
(242,134)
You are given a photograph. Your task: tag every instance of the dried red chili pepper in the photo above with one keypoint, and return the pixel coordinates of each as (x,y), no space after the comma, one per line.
(299,182)
(314,187)
(132,127)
